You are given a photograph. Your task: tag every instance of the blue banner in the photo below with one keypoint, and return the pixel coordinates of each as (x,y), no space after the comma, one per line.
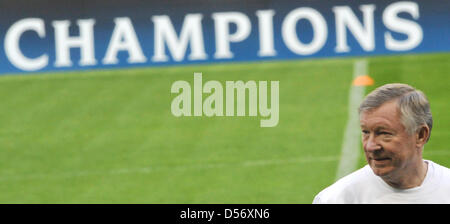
(76,35)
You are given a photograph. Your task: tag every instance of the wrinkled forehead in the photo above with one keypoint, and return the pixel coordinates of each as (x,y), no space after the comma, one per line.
(388,114)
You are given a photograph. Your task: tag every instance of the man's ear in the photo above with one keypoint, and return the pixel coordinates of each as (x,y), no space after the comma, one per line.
(422,136)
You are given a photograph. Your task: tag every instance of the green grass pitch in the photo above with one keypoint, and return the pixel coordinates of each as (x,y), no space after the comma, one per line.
(109,136)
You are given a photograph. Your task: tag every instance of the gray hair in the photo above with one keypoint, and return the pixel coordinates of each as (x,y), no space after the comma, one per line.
(413,104)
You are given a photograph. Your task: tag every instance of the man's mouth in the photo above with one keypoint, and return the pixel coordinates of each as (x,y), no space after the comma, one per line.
(381,159)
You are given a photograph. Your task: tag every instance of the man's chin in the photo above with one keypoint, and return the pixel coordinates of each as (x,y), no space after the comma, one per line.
(381,171)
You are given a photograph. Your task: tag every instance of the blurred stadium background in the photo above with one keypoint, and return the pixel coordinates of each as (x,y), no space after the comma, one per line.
(104,133)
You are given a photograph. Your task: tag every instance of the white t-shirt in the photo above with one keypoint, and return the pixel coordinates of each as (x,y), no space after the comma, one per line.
(364,187)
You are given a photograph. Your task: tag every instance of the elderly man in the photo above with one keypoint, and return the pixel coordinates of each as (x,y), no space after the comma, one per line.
(396,123)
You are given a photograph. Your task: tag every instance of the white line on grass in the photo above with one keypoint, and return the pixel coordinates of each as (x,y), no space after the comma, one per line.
(151,169)
(350,146)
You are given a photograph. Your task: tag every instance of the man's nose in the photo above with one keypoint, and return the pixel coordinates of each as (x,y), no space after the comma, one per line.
(371,144)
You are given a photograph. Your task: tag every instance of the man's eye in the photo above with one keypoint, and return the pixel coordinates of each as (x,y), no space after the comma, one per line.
(365,132)
(385,133)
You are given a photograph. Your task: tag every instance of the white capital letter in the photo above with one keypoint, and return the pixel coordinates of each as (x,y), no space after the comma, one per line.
(191,32)
(223,36)
(290,35)
(345,18)
(410,28)
(265,33)
(12,48)
(124,30)
(85,42)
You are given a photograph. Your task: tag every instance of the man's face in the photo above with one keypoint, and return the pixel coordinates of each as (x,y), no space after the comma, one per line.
(387,145)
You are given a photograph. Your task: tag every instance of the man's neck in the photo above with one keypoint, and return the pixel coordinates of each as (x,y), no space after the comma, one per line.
(412,177)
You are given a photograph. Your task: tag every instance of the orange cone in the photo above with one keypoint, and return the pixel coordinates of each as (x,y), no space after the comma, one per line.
(363,80)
